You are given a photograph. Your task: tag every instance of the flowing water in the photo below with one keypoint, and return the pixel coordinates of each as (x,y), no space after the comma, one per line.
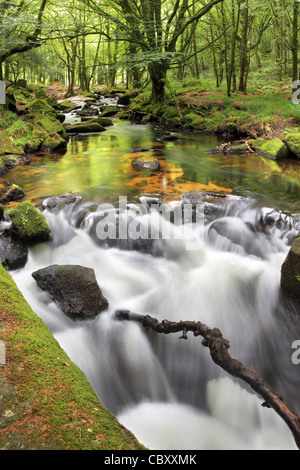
(165,389)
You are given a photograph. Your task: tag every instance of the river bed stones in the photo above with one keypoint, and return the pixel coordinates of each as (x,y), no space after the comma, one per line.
(73,288)
(151,164)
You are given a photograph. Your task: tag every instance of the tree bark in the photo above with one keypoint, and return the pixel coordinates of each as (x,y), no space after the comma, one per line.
(218,346)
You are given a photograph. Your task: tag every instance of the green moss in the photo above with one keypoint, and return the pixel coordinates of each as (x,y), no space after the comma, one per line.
(28,223)
(194,121)
(293,143)
(41,106)
(85,127)
(67,106)
(7,146)
(274,148)
(59,409)
(51,125)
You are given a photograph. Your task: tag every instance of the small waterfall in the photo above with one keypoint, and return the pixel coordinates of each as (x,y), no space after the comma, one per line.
(166,390)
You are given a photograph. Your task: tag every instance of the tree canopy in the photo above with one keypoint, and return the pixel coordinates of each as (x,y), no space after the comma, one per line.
(86,42)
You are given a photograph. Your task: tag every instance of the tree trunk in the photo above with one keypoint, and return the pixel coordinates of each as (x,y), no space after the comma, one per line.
(295,40)
(243,64)
(158,75)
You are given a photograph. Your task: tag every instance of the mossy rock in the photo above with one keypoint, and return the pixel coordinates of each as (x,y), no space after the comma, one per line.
(67,106)
(28,224)
(293,143)
(53,142)
(290,271)
(274,148)
(38,136)
(85,127)
(7,146)
(12,193)
(109,111)
(124,99)
(52,125)
(41,106)
(124,115)
(104,121)
(194,121)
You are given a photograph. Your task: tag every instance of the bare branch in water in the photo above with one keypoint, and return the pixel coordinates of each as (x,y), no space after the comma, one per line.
(218,346)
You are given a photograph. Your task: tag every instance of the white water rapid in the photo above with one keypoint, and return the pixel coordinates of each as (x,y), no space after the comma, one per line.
(167,390)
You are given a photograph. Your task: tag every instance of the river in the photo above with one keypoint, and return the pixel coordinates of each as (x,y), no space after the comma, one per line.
(223,270)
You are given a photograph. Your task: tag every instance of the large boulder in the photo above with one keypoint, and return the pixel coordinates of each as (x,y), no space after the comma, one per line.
(290,271)
(28,224)
(13,252)
(74,288)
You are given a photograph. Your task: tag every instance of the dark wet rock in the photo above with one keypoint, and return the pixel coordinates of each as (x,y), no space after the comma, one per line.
(109,111)
(74,288)
(10,161)
(146,164)
(88,112)
(290,271)
(140,150)
(57,203)
(12,193)
(13,252)
(105,122)
(1,212)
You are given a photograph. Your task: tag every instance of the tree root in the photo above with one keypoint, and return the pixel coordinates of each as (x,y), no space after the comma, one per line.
(218,346)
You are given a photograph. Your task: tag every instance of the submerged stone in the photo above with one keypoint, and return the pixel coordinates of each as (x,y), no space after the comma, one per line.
(74,288)
(146,164)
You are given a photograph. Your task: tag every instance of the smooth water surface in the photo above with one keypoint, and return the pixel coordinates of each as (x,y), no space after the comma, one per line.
(102,164)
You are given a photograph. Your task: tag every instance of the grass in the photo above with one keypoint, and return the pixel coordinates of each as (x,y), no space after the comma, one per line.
(7,119)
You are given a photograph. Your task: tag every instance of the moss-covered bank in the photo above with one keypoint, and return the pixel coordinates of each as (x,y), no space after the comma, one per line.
(47,402)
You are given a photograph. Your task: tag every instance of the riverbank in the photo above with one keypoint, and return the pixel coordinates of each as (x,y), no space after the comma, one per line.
(47,403)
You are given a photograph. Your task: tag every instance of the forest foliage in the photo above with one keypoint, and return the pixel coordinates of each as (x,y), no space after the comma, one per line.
(139,42)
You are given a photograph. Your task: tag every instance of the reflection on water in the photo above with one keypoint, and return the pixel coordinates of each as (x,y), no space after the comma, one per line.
(103,161)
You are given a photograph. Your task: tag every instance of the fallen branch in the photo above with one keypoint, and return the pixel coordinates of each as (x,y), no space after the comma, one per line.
(218,346)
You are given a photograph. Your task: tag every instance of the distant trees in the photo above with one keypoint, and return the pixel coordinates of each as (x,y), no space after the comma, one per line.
(84,42)
(20,27)
(153,28)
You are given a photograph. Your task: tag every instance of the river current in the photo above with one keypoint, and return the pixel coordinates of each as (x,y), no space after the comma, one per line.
(223,271)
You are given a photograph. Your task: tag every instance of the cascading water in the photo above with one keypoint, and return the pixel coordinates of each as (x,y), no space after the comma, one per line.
(168,391)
